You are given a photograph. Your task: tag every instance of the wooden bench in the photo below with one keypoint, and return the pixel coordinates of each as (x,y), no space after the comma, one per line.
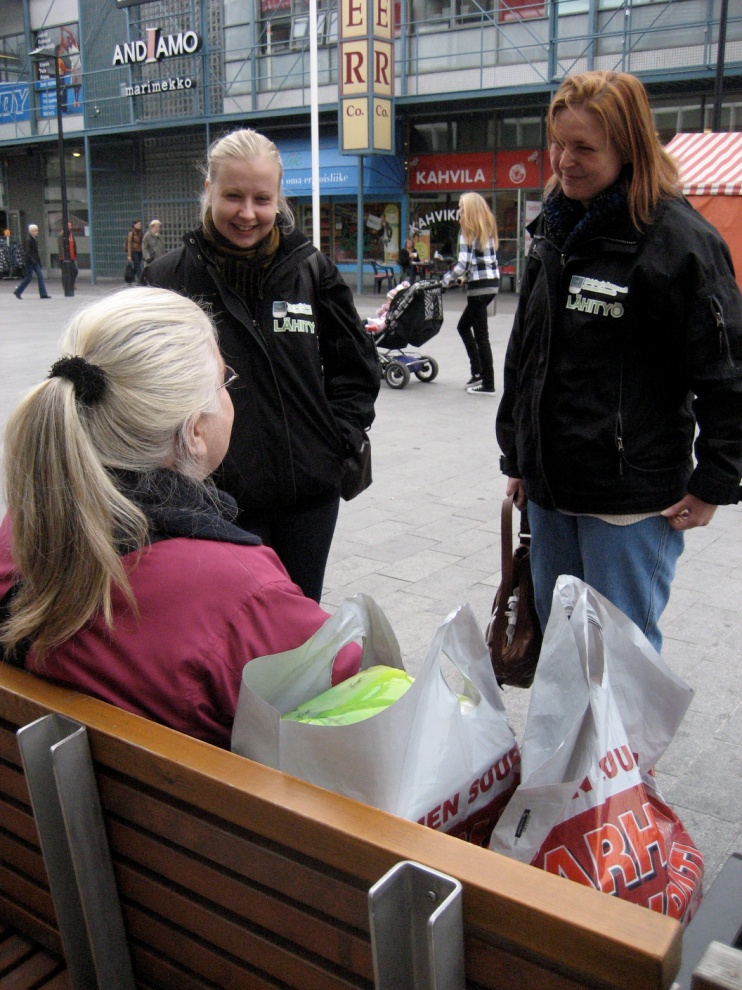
(24,965)
(232,875)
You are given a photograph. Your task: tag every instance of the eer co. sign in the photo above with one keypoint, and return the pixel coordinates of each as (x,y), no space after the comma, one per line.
(366,77)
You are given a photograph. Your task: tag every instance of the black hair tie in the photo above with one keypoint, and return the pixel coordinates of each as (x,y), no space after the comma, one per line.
(88,379)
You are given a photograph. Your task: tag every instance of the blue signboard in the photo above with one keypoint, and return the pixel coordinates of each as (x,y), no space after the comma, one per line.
(14,102)
(338,174)
(71,97)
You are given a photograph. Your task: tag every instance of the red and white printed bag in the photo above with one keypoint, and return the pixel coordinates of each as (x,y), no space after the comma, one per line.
(603,709)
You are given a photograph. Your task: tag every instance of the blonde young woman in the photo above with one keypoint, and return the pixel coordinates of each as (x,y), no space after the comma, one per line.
(477,264)
(122,573)
(288,325)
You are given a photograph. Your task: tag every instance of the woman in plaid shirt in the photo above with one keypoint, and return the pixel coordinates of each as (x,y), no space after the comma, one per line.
(477,265)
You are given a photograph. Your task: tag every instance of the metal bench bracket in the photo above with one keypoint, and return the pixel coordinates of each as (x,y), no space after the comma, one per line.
(64,797)
(417,931)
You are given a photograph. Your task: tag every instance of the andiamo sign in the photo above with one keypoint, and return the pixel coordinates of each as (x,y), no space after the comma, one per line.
(155,46)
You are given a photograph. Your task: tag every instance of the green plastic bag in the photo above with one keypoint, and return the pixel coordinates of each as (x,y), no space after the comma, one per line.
(359,697)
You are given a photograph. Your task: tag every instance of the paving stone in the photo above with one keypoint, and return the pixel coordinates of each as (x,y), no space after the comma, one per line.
(718,689)
(470,541)
(391,549)
(710,783)
(707,626)
(731,728)
(349,569)
(419,565)
(684,746)
(450,528)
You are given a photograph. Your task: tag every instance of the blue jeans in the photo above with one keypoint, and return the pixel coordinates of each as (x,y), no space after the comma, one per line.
(632,566)
(301,539)
(32,267)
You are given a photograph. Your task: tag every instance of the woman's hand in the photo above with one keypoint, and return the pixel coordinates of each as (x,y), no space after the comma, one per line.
(515,488)
(689,512)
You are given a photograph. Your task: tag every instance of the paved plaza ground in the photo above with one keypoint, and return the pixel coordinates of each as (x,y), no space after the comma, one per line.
(425,538)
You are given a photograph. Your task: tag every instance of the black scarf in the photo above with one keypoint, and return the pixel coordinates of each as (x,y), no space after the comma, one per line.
(568,222)
(178,506)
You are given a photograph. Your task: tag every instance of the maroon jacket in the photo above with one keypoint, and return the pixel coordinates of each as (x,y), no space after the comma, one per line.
(205,609)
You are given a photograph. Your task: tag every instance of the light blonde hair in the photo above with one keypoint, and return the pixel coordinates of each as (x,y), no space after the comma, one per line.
(158,353)
(245,145)
(620,102)
(476,220)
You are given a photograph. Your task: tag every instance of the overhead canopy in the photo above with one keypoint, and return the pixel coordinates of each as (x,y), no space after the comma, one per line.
(710,164)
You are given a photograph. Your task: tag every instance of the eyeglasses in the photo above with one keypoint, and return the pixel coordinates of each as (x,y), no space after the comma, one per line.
(230,375)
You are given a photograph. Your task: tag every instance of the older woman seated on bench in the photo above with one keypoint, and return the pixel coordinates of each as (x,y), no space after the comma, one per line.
(121,573)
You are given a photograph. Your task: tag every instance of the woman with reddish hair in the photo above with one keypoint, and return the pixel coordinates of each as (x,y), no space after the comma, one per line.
(625,359)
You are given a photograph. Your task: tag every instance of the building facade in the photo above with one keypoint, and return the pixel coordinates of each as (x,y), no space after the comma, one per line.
(146,85)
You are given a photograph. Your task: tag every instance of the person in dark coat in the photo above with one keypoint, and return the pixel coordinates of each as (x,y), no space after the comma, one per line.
(134,251)
(72,251)
(621,420)
(32,263)
(287,324)
(153,246)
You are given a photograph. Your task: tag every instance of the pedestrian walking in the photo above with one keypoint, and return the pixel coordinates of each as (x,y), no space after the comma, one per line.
(134,248)
(153,246)
(477,267)
(72,256)
(32,263)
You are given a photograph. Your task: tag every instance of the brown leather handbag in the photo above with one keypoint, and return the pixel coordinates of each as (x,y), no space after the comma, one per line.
(514,632)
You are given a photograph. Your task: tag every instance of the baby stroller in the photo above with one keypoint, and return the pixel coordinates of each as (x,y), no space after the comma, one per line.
(415,315)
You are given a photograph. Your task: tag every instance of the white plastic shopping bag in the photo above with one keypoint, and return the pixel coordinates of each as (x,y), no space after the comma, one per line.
(603,709)
(445,760)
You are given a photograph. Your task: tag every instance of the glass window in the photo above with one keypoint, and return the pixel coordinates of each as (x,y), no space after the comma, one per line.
(521,10)
(476,132)
(12,53)
(237,39)
(235,12)
(427,137)
(520,132)
(434,225)
(284,24)
(472,132)
(506,214)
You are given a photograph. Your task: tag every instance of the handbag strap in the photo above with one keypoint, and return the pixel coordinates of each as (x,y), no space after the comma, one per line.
(506,542)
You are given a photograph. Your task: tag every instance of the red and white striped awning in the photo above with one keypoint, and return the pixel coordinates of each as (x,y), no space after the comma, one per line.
(710,164)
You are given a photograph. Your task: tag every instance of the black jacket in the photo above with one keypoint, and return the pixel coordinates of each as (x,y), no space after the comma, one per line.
(31,254)
(308,372)
(620,350)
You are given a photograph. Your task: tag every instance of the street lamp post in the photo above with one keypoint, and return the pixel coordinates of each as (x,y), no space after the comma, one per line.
(65,262)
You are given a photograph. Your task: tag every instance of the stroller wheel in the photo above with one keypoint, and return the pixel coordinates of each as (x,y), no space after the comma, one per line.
(396,374)
(427,370)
